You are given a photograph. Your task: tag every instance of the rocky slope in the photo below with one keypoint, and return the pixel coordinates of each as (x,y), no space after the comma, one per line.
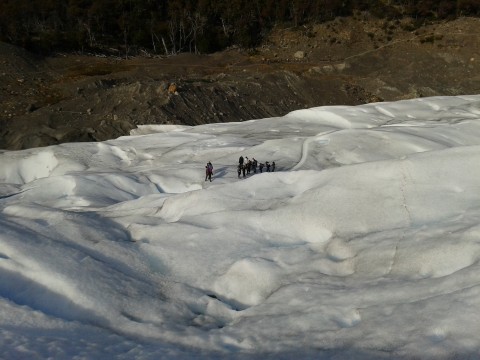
(350,61)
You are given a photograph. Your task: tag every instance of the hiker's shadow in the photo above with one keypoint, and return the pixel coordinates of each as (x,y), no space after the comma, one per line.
(221,172)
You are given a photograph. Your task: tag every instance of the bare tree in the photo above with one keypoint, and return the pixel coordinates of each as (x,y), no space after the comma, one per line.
(197,24)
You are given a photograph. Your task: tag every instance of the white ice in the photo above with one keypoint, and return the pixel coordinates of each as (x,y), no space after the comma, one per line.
(363,244)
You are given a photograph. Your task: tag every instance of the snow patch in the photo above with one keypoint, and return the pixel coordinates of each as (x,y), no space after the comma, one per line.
(249,281)
(22,168)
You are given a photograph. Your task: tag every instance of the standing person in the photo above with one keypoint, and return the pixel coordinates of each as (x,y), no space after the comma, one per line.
(261,167)
(208,171)
(267,164)
(240,160)
(254,165)
(273,166)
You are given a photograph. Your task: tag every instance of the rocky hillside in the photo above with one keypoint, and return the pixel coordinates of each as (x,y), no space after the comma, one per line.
(348,61)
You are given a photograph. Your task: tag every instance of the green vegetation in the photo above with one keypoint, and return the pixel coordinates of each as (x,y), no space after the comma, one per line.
(126,27)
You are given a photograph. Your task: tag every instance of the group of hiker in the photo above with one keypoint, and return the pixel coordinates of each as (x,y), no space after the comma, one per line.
(246,166)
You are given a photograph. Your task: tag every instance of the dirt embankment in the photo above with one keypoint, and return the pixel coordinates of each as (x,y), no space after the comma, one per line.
(66,98)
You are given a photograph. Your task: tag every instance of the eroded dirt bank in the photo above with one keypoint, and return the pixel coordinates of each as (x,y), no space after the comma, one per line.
(352,61)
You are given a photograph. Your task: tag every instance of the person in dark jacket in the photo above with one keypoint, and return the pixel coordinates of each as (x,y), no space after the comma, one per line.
(208,171)
(254,165)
